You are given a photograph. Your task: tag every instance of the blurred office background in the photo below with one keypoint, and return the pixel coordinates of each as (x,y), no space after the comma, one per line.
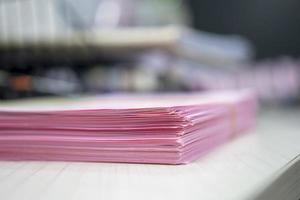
(71,47)
(272,25)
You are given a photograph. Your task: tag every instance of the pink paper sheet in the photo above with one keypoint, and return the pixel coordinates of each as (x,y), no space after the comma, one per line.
(163,129)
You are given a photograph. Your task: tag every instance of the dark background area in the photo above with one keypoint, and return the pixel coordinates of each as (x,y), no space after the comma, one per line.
(272,25)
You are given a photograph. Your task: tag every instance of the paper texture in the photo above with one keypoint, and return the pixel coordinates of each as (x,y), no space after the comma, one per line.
(164,129)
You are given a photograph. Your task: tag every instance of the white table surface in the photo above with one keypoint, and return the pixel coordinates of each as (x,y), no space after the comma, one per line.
(235,170)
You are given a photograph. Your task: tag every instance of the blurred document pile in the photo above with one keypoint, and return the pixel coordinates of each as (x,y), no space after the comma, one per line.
(65,47)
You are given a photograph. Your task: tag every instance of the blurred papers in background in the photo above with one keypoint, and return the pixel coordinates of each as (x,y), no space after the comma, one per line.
(67,47)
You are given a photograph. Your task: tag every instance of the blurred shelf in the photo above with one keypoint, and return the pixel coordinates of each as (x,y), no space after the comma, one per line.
(125,43)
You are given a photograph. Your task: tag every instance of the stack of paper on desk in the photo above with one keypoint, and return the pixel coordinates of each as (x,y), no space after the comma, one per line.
(166,128)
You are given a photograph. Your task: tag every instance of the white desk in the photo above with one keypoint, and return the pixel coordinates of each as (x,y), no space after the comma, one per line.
(233,171)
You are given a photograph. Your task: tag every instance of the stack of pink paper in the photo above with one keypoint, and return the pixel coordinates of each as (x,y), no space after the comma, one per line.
(169,129)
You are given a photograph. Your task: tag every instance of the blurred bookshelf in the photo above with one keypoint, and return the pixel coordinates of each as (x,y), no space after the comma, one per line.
(64,47)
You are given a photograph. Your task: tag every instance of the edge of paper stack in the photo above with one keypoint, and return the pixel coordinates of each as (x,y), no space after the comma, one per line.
(161,128)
